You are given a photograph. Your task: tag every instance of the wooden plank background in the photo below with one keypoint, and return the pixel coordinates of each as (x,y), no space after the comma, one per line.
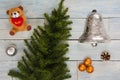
(78,10)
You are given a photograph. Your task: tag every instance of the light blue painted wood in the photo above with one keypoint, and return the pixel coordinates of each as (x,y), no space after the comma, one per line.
(77,51)
(77,28)
(72,65)
(81,8)
(4,69)
(114,30)
(102,71)
(77,8)
(5,24)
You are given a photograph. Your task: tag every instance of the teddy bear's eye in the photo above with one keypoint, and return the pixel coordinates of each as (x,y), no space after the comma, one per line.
(11,13)
(18,11)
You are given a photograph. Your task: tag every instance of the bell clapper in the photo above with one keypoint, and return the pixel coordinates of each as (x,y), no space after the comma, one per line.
(94,44)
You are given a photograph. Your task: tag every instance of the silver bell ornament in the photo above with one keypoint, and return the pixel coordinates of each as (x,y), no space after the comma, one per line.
(94,30)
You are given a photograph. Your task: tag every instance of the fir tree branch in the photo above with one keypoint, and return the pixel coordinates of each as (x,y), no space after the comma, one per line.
(16,74)
(45,57)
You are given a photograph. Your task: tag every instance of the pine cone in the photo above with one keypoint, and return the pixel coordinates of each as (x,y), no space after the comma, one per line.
(105,55)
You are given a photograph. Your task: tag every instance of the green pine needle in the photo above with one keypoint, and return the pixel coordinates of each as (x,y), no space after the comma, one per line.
(45,54)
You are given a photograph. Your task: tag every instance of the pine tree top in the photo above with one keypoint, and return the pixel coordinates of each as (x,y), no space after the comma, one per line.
(45,57)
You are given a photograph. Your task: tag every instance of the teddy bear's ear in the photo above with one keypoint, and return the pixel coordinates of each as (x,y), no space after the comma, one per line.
(20,7)
(7,11)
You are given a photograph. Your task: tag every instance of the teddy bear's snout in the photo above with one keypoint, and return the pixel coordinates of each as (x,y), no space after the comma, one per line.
(15,14)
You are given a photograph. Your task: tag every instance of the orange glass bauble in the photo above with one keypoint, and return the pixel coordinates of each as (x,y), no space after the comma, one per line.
(90,69)
(82,67)
(88,61)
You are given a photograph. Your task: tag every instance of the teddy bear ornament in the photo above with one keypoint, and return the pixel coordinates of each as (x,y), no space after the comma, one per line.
(18,20)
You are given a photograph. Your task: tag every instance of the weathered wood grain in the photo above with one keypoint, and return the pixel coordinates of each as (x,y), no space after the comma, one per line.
(77,51)
(114,30)
(4,69)
(77,8)
(5,66)
(77,28)
(111,26)
(72,65)
(106,72)
(5,24)
(102,71)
